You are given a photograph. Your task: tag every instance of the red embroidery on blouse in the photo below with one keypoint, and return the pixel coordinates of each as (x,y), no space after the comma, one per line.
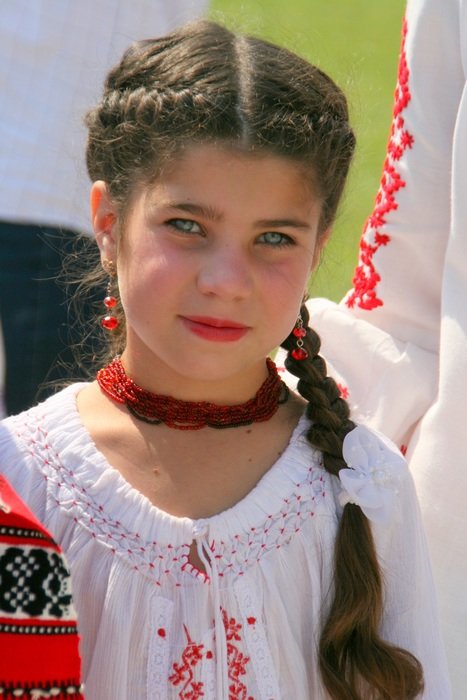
(183,673)
(403,449)
(237,661)
(366,277)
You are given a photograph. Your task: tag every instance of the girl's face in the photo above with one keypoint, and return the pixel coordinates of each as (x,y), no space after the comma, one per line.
(212,267)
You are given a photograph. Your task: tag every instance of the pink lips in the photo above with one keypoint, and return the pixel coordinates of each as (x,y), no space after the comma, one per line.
(217,329)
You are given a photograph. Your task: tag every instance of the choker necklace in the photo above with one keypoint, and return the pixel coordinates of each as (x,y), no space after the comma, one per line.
(191,415)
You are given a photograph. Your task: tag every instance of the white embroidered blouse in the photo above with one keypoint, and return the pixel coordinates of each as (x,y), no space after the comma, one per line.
(154,627)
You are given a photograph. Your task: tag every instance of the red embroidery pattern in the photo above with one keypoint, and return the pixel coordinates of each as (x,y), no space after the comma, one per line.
(236,659)
(366,277)
(344,391)
(183,673)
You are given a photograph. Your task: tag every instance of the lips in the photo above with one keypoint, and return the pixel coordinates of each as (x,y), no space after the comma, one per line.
(215,329)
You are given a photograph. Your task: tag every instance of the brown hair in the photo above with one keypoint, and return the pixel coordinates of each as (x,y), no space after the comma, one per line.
(353,657)
(202,84)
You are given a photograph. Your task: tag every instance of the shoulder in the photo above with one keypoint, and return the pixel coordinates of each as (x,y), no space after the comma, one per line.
(376,477)
(58,411)
(32,442)
(308,480)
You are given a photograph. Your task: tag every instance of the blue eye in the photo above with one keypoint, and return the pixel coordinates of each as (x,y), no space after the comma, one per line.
(185,225)
(275,239)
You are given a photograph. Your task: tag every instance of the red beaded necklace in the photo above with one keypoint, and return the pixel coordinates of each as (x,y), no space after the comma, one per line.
(191,415)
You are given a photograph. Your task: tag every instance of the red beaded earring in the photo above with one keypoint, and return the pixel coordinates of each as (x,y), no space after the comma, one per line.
(109,322)
(299,352)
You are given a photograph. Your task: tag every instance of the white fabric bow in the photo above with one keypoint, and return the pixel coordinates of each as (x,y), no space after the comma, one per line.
(376,471)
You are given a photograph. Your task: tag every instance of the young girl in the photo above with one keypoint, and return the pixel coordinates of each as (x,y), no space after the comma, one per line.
(227,538)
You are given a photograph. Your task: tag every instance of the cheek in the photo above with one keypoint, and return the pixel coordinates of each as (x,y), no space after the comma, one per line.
(288,280)
(147,283)
(284,290)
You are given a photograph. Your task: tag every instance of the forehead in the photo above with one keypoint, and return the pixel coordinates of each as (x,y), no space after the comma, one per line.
(228,175)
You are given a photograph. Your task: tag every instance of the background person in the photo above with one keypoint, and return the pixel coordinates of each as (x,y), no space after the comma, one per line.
(38,629)
(53,58)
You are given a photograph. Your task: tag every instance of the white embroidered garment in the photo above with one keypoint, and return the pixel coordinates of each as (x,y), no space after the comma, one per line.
(153,626)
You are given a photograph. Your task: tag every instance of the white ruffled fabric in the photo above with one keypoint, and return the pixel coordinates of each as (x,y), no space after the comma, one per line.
(154,627)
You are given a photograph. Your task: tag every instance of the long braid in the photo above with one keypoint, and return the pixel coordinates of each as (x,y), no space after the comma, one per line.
(353,656)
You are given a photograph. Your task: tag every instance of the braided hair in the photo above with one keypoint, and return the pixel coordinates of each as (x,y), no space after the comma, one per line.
(206,84)
(351,649)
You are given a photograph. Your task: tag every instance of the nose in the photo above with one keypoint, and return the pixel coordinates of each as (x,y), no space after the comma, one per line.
(226,272)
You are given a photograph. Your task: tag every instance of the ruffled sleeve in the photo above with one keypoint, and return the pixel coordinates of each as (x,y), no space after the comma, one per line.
(389,383)
(410,617)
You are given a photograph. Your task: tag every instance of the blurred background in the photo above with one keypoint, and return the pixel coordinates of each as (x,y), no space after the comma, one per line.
(357,42)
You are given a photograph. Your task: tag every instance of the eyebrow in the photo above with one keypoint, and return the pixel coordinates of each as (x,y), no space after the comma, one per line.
(198,209)
(214,215)
(281,223)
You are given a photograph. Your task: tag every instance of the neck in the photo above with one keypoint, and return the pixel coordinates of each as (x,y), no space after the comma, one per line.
(158,378)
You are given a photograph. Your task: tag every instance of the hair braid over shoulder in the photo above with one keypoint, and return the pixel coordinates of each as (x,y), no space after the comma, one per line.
(355,661)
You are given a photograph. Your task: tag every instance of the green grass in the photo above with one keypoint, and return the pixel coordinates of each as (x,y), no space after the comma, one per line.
(357,42)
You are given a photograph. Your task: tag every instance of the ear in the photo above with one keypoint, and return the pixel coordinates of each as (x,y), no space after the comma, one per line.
(104,219)
(319,247)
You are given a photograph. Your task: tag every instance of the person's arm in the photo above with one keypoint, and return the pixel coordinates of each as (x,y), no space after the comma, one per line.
(35,596)
(383,339)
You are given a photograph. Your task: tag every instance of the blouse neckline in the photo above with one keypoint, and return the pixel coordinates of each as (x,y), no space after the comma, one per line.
(91,474)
